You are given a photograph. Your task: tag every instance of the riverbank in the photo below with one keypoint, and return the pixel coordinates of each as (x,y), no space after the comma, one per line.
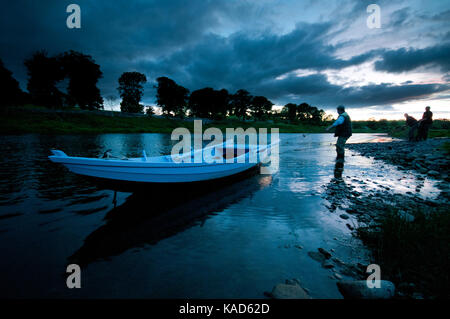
(409,236)
(33,119)
(83,122)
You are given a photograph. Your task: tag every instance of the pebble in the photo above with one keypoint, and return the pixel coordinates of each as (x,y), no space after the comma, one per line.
(328,265)
(360,290)
(325,253)
(286,291)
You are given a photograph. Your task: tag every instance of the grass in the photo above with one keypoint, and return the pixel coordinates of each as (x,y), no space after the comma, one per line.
(66,123)
(433,132)
(446,147)
(413,252)
(39,119)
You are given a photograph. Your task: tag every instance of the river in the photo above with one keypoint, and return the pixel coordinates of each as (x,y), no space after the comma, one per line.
(236,241)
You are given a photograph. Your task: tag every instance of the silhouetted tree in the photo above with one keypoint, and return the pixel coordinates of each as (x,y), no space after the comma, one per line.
(131,91)
(150,111)
(317,116)
(303,111)
(260,106)
(43,74)
(290,110)
(240,102)
(209,103)
(11,92)
(110,99)
(310,114)
(171,97)
(83,74)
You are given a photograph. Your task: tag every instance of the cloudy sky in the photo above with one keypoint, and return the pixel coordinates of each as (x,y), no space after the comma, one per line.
(319,52)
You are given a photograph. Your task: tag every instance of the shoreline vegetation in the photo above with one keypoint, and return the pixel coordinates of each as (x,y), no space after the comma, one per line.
(37,119)
(409,236)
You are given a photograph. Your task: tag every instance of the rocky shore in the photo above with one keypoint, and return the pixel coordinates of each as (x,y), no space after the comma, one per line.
(363,204)
(424,161)
(426,157)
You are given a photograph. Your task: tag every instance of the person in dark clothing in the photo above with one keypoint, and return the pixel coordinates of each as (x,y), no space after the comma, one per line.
(411,122)
(425,124)
(343,131)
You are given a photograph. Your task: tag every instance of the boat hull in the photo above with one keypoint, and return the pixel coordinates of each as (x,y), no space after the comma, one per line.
(160,169)
(132,186)
(162,174)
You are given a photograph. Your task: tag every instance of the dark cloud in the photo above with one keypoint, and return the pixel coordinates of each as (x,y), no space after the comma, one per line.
(403,59)
(115,33)
(242,61)
(318,90)
(400,17)
(205,43)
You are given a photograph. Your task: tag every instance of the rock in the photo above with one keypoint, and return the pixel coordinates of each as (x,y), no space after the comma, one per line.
(316,256)
(328,265)
(359,290)
(337,276)
(338,261)
(284,291)
(294,281)
(343,216)
(325,253)
(433,173)
(268,294)
(406,216)
(349,226)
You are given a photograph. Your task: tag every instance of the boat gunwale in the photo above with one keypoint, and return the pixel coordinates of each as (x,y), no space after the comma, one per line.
(137,163)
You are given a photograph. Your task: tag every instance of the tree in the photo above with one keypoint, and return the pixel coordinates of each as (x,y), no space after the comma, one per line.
(171,97)
(83,74)
(303,111)
(131,91)
(209,103)
(317,116)
(43,74)
(110,99)
(291,110)
(12,94)
(150,111)
(260,106)
(240,102)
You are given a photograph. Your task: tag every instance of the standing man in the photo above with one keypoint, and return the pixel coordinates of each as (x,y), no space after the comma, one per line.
(343,131)
(411,122)
(424,124)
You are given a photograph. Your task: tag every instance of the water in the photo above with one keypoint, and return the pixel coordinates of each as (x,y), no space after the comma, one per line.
(233,242)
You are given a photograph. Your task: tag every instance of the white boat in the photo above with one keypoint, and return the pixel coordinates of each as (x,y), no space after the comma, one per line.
(222,162)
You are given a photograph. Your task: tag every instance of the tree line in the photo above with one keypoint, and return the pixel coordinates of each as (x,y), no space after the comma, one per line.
(70,79)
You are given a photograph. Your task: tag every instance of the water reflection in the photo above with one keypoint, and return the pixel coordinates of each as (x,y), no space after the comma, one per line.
(338,169)
(149,216)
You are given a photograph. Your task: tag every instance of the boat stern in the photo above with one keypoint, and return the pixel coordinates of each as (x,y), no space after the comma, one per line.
(57,154)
